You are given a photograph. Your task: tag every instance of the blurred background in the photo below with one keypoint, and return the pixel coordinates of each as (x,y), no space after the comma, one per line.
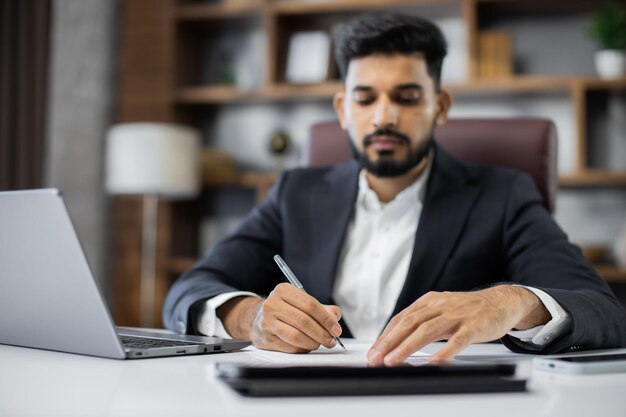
(251,77)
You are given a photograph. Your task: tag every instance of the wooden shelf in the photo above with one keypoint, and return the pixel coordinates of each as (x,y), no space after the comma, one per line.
(516,84)
(264,180)
(307,91)
(257,179)
(596,83)
(213,95)
(178,265)
(538,84)
(594,178)
(202,12)
(506,9)
(610,273)
(291,92)
(249,179)
(339,6)
(261,182)
(276,92)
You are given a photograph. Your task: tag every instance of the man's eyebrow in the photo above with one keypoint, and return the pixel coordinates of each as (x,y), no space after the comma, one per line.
(400,87)
(409,86)
(362,88)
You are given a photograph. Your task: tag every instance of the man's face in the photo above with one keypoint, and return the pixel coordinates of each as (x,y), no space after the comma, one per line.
(389,109)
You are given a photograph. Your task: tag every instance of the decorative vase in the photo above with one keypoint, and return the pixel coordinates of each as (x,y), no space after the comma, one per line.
(610,63)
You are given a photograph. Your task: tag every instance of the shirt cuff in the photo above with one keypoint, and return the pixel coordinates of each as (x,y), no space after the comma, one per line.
(208,323)
(544,334)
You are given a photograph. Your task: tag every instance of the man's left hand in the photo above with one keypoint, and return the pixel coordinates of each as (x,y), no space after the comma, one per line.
(462,318)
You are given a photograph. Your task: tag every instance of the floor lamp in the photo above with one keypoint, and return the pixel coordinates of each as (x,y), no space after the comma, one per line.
(153,160)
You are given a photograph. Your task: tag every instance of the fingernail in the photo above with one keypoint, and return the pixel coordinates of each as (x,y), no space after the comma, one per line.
(332,343)
(436,360)
(336,330)
(374,356)
(390,359)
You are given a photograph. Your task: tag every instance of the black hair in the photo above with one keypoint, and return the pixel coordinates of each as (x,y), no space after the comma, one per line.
(390,33)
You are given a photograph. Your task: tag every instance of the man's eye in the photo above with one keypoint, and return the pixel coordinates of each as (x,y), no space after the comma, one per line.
(408,100)
(364,101)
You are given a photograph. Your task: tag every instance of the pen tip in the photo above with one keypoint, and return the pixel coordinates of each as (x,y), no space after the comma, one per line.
(341,344)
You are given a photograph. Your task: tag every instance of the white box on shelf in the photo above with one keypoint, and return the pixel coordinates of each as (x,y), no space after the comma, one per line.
(308,57)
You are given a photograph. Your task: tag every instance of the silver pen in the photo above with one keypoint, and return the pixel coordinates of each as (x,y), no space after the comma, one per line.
(296,283)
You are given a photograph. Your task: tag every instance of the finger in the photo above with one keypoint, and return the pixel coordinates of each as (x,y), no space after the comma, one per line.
(334,310)
(405,325)
(428,332)
(294,337)
(306,324)
(304,302)
(459,341)
(395,320)
(281,307)
(277,344)
(388,328)
(415,308)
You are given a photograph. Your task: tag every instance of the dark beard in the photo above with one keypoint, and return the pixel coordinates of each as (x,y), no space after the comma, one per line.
(386,167)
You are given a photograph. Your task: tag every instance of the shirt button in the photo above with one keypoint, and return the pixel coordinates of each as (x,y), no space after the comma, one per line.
(547,338)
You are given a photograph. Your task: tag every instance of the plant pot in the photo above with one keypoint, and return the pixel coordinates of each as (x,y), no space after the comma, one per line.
(610,63)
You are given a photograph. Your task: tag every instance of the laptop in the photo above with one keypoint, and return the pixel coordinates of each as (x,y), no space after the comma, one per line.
(49,298)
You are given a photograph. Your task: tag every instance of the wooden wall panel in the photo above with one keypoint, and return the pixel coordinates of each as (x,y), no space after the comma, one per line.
(146,85)
(147,64)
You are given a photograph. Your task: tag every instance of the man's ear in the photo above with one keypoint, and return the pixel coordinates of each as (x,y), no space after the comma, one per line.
(444,101)
(338,101)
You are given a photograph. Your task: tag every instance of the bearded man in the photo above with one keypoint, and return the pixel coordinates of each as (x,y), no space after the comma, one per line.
(404,245)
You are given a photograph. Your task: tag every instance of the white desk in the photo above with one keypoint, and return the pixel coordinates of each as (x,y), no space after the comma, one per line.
(40,383)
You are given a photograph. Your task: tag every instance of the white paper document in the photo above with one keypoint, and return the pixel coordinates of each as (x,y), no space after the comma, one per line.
(355,354)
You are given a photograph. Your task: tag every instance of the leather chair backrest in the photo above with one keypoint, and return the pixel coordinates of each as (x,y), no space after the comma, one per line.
(526,144)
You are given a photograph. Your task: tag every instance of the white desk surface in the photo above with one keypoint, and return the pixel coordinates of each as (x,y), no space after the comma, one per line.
(41,383)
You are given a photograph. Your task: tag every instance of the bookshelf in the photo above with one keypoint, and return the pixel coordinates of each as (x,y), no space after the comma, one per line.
(163,77)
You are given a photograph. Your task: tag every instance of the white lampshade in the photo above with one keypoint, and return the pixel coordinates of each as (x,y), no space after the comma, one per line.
(153,158)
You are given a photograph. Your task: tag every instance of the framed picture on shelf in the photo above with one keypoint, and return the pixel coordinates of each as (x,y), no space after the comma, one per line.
(308,57)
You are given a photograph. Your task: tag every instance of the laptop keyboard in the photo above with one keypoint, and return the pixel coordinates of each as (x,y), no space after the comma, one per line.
(147,342)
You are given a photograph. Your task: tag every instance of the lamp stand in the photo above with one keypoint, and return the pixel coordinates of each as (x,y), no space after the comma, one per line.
(147,286)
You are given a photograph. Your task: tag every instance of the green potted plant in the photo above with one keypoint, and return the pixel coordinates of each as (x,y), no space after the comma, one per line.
(608,28)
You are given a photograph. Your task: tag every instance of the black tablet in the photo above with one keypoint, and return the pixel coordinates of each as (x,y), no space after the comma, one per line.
(272,380)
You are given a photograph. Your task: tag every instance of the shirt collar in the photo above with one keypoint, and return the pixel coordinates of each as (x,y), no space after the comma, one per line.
(413,194)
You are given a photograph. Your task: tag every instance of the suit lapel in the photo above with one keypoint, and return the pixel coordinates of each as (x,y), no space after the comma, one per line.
(332,205)
(449,198)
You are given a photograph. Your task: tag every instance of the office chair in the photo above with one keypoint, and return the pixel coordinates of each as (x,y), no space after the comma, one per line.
(526,144)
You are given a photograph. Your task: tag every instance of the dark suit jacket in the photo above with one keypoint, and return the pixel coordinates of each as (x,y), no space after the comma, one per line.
(479,226)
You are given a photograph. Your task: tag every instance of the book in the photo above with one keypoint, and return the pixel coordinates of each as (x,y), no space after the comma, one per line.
(495,55)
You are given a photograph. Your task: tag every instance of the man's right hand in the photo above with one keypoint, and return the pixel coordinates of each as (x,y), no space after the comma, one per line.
(288,320)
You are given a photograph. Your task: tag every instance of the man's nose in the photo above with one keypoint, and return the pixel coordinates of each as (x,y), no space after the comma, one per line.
(385,114)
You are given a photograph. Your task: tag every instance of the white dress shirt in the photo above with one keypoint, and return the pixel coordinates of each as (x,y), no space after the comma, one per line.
(374,264)
(375,258)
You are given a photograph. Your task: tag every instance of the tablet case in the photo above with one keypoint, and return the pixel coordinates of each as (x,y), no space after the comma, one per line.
(294,381)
